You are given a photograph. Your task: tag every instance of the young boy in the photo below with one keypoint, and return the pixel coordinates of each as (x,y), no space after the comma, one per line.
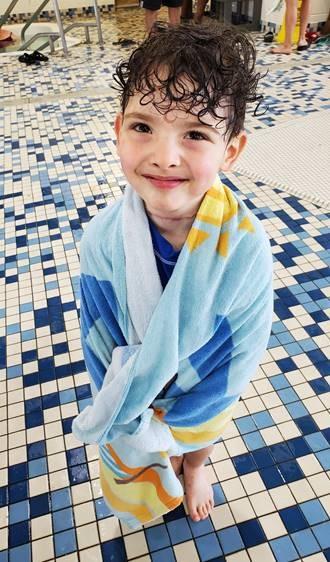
(176,278)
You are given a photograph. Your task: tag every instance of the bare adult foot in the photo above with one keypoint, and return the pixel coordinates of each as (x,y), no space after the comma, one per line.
(281,50)
(177,464)
(199,492)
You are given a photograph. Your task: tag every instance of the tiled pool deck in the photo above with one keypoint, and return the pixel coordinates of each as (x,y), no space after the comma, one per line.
(58,167)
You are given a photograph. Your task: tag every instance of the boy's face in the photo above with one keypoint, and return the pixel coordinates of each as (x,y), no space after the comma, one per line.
(172,160)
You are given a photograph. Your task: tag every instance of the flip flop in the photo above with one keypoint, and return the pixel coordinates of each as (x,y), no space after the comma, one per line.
(39,56)
(124,42)
(28,59)
(301,48)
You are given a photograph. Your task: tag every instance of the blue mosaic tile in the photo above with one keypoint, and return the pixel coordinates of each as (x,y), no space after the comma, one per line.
(284,549)
(166,555)
(65,542)
(179,531)
(322,534)
(157,537)
(230,540)
(208,547)
(305,542)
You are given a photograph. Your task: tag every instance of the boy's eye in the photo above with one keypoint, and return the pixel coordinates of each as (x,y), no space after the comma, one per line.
(196,135)
(141,128)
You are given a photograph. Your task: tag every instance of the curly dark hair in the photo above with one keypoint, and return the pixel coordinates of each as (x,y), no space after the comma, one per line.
(201,69)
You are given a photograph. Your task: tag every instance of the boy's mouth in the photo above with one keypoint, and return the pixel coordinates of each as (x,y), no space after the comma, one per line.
(164,182)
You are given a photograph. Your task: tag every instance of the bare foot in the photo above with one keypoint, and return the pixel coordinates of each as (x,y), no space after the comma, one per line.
(281,50)
(177,464)
(199,492)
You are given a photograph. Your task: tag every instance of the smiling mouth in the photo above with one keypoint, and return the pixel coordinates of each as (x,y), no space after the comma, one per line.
(165,182)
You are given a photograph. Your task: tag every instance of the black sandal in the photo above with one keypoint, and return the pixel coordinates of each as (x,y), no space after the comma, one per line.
(28,59)
(39,56)
(301,48)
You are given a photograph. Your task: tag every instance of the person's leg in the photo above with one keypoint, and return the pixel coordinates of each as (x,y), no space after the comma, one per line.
(198,490)
(200,11)
(290,23)
(174,15)
(304,15)
(150,18)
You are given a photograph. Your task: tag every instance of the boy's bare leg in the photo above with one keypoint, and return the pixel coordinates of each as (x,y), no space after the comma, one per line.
(200,11)
(290,23)
(177,463)
(199,492)
(304,15)
(174,15)
(150,16)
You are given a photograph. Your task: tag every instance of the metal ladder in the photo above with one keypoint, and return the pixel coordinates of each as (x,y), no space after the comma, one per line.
(52,37)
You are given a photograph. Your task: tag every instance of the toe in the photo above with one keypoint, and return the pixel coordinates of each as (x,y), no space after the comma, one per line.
(194,515)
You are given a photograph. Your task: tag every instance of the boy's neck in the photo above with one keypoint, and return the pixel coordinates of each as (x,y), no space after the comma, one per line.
(174,230)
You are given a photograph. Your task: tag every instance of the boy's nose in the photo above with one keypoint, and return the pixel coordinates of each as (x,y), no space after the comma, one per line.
(166,154)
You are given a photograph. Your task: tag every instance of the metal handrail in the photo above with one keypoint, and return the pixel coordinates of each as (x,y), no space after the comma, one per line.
(6,15)
(33,18)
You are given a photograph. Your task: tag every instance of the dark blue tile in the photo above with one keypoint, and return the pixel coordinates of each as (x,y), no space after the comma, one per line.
(244,463)
(291,471)
(76,456)
(298,446)
(66,542)
(177,513)
(179,531)
(293,518)
(67,425)
(251,533)
(281,452)
(34,419)
(17,473)
(18,492)
(19,533)
(286,365)
(114,550)
(306,425)
(78,474)
(157,537)
(208,547)
(271,477)
(263,458)
(3,496)
(326,553)
(39,505)
(320,386)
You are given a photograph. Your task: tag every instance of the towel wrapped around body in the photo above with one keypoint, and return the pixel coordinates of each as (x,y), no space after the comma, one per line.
(201,338)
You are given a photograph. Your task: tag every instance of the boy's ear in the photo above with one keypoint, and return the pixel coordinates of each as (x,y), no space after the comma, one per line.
(234,149)
(118,124)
